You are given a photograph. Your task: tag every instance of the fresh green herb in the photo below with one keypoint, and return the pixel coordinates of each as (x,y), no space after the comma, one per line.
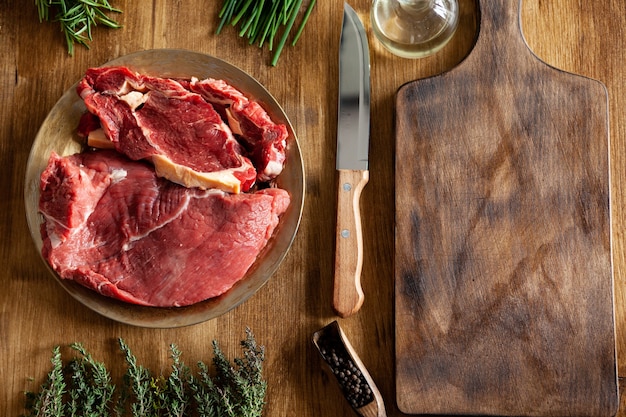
(49,401)
(235,391)
(138,381)
(77,18)
(90,387)
(84,387)
(176,397)
(261,21)
(305,18)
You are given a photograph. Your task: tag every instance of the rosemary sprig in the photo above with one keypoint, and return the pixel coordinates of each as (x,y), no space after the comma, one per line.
(261,21)
(77,18)
(84,388)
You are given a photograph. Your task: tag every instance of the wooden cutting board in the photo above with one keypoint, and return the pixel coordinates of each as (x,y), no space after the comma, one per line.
(503,269)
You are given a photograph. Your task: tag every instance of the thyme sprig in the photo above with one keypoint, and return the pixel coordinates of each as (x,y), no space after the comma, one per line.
(83,387)
(49,401)
(235,391)
(90,387)
(77,18)
(261,21)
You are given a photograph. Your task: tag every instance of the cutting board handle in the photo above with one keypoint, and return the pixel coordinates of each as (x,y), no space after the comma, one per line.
(500,38)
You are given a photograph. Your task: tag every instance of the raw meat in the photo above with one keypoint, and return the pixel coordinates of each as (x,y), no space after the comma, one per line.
(170,121)
(264,139)
(113,226)
(157,119)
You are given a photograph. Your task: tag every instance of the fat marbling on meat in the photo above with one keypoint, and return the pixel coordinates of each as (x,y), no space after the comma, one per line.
(198,133)
(113,226)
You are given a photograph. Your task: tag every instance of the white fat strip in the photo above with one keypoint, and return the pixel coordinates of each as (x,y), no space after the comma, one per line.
(233,122)
(224,179)
(210,192)
(183,207)
(98,139)
(134,99)
(130,86)
(55,240)
(273,169)
(118,175)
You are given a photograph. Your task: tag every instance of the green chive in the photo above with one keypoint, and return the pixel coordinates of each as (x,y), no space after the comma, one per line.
(283,39)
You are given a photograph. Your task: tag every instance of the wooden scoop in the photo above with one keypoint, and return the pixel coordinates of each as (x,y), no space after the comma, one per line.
(344,364)
(504,285)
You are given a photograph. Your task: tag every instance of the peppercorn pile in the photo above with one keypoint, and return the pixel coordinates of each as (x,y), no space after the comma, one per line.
(351,380)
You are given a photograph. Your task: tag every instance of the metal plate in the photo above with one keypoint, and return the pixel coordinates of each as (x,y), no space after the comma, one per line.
(57,133)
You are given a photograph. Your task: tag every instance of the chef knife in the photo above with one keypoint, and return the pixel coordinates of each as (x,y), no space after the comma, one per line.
(353,130)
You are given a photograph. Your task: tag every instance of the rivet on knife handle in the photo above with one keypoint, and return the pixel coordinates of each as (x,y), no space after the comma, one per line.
(347,293)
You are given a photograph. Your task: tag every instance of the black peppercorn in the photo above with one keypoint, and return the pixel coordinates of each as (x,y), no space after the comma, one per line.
(350,378)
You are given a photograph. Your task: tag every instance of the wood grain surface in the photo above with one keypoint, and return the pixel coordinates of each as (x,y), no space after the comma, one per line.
(504,286)
(35,313)
(348,294)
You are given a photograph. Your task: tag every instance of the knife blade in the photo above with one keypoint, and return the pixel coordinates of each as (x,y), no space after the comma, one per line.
(353,131)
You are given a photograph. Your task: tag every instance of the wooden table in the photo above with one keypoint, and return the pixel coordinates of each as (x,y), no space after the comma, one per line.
(587,38)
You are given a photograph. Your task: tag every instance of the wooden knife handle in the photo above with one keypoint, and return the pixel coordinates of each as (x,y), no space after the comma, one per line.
(347,293)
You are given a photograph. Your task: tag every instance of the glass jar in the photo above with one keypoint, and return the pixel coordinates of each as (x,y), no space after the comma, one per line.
(414,28)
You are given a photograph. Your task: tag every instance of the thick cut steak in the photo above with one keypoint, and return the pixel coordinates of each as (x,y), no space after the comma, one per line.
(113,226)
(198,133)
(177,130)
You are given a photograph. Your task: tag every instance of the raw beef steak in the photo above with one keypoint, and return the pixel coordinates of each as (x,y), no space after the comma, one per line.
(112,225)
(172,121)
(264,139)
(157,119)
